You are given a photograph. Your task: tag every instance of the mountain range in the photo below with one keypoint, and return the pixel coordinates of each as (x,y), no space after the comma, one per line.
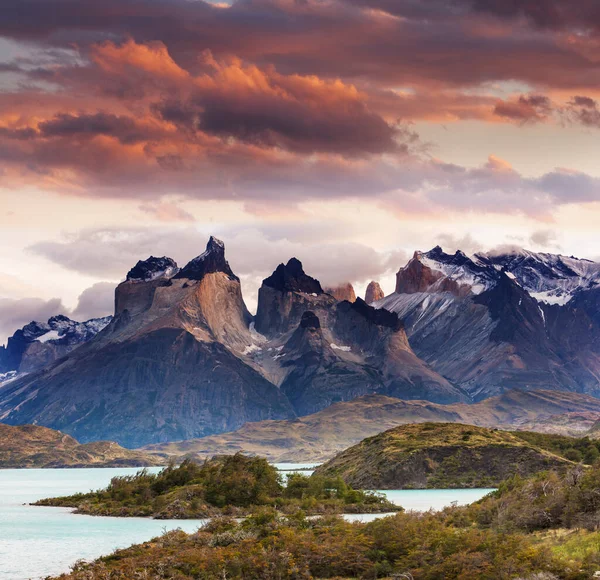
(182,357)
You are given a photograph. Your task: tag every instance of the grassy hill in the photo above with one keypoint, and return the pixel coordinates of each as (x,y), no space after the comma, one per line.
(440,455)
(33,446)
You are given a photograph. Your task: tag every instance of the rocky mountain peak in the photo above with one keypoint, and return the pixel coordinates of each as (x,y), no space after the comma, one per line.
(210,261)
(435,272)
(152,269)
(292,278)
(416,276)
(342,292)
(374,292)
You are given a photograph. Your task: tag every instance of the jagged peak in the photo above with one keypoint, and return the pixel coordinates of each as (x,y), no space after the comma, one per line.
(374,292)
(152,269)
(291,277)
(210,261)
(341,292)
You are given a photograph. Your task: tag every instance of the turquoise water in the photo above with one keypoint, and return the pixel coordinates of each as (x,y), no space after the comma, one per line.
(40,541)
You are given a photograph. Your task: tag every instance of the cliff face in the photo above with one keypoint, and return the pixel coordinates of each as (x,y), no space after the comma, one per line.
(439,455)
(352,350)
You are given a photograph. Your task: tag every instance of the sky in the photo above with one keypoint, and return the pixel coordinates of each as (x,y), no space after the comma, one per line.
(347,133)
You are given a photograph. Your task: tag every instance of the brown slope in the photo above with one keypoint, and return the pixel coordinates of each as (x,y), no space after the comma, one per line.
(320,436)
(33,446)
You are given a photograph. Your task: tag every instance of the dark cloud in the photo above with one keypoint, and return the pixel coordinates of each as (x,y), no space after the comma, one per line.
(527,108)
(280,101)
(125,129)
(584,111)
(553,14)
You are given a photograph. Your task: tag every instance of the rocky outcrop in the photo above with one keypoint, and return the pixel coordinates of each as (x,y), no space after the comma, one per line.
(416,277)
(292,278)
(152,268)
(342,292)
(374,293)
(211,261)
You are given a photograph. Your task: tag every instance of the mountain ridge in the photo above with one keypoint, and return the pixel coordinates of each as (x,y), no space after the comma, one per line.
(182,357)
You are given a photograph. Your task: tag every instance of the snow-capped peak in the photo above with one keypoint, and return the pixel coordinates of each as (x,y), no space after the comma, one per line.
(550,278)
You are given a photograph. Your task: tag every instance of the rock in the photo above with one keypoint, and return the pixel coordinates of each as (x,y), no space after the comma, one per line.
(212,260)
(292,278)
(152,268)
(373,293)
(342,292)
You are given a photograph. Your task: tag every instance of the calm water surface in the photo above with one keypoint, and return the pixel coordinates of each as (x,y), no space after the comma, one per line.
(40,541)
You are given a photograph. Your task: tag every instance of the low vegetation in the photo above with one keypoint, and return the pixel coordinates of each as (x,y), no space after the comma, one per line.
(231,485)
(575,449)
(548,500)
(541,528)
(443,455)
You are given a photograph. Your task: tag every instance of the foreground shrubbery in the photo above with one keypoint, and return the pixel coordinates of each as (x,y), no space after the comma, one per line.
(575,449)
(231,485)
(268,546)
(545,501)
(540,528)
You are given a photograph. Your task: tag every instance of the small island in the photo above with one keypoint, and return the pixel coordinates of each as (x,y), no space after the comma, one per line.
(233,485)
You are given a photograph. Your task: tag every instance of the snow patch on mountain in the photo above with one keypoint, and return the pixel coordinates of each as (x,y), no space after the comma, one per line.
(340,347)
(549,278)
(461,274)
(50,335)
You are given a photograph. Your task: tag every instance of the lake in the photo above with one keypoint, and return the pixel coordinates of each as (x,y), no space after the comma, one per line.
(40,541)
